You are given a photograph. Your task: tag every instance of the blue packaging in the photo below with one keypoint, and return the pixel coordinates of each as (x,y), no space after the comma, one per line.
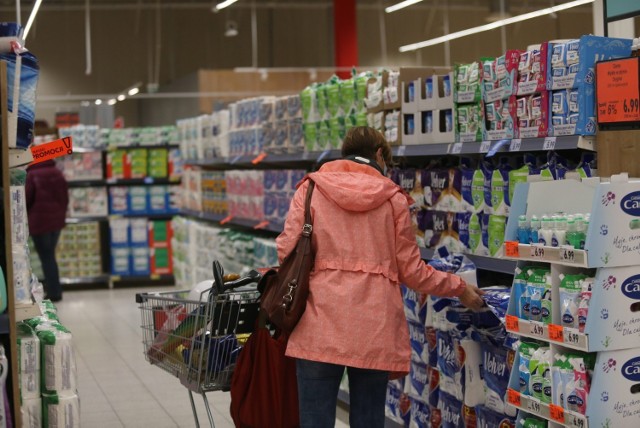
(415,305)
(434,386)
(461,225)
(496,369)
(419,381)
(397,405)
(270,179)
(486,418)
(447,358)
(432,346)
(466,179)
(487,171)
(484,226)
(450,411)
(420,414)
(419,352)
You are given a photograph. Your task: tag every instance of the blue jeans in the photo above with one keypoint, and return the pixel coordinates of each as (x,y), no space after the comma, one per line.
(318,385)
(46,247)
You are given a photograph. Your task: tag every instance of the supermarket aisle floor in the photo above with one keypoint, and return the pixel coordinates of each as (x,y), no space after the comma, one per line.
(117,386)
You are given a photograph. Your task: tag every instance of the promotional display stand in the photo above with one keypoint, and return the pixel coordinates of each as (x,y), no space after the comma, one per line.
(612,328)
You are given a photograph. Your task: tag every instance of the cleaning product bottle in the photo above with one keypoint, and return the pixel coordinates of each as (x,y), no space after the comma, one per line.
(524,232)
(570,236)
(559,232)
(583,232)
(545,233)
(535,228)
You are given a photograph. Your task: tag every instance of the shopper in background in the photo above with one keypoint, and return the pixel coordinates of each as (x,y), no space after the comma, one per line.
(47,199)
(365,247)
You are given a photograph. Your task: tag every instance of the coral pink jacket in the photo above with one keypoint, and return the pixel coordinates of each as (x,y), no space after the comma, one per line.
(364,248)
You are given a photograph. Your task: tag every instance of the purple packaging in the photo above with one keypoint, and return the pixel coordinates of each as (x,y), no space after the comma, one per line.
(281,180)
(296,175)
(486,418)
(450,411)
(434,226)
(435,183)
(283,207)
(271,207)
(461,228)
(466,182)
(487,171)
(419,381)
(415,305)
(270,179)
(484,226)
(420,414)
(419,352)
(406,179)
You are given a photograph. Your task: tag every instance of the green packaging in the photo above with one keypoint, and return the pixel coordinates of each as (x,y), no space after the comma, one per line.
(497,225)
(475,233)
(347,96)
(307,101)
(321,100)
(333,96)
(477,189)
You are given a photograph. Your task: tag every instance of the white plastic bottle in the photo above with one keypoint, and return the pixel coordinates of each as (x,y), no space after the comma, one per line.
(559,232)
(535,229)
(546,233)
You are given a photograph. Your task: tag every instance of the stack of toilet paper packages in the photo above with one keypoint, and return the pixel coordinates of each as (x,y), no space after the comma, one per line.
(23,280)
(279,188)
(205,136)
(330,108)
(245,194)
(58,403)
(85,136)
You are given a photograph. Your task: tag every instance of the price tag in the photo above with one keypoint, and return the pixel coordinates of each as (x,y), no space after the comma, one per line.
(112,180)
(148,180)
(485,146)
(537,252)
(515,145)
(261,225)
(557,413)
(555,332)
(513,397)
(513,324)
(567,255)
(259,158)
(401,150)
(549,143)
(533,406)
(456,148)
(575,421)
(155,277)
(226,220)
(536,328)
(116,278)
(511,249)
(571,336)
(618,92)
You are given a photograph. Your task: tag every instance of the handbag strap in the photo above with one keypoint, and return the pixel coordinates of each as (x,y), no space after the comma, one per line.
(307,228)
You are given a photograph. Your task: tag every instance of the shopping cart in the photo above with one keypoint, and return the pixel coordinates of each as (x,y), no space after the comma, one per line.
(198,341)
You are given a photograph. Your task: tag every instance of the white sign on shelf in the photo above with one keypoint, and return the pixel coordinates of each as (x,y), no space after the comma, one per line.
(515,145)
(537,251)
(536,328)
(456,148)
(549,143)
(485,146)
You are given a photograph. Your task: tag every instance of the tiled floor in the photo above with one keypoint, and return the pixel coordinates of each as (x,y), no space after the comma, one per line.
(117,386)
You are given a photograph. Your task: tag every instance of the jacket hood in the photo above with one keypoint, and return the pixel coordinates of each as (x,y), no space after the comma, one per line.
(353,186)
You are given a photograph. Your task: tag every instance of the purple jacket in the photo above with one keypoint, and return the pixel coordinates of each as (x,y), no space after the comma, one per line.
(47,198)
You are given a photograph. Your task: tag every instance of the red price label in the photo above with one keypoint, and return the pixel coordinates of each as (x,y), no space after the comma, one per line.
(555,333)
(226,220)
(261,225)
(618,90)
(511,249)
(513,397)
(52,150)
(557,413)
(259,158)
(512,323)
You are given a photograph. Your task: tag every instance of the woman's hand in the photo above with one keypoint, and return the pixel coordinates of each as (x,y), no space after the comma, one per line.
(471,297)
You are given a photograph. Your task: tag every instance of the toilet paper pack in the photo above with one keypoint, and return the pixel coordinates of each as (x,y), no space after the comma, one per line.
(58,373)
(32,413)
(61,411)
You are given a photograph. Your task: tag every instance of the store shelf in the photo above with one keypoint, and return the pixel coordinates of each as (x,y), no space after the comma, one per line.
(493,264)
(549,412)
(27,311)
(87,183)
(141,146)
(343,397)
(141,181)
(131,279)
(98,279)
(89,219)
(253,160)
(552,333)
(225,219)
(566,256)
(150,216)
(87,149)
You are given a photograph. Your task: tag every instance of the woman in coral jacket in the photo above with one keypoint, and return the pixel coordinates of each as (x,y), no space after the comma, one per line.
(364,247)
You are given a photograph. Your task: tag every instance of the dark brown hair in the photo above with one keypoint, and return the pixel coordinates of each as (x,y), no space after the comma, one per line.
(365,141)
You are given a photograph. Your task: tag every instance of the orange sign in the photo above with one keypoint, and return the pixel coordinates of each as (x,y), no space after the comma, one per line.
(618,90)
(557,413)
(513,397)
(512,323)
(259,158)
(261,225)
(511,249)
(555,333)
(52,150)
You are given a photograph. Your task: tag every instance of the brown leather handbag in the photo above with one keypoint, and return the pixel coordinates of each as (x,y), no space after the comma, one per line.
(285,289)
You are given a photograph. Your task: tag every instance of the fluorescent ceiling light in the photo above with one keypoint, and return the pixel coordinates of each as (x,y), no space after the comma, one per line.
(98,101)
(224,4)
(133,91)
(122,97)
(494,25)
(32,18)
(401,5)
(112,101)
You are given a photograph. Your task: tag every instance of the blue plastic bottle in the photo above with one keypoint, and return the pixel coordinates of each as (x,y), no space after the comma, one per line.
(524,232)
(535,227)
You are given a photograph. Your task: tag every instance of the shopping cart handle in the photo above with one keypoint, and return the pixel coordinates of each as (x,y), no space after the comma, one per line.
(252,277)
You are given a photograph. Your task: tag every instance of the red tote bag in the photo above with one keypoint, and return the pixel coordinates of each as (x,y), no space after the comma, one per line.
(264,390)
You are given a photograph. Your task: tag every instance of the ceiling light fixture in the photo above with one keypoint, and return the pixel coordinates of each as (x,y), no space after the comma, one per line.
(133,91)
(112,101)
(32,18)
(224,4)
(231,29)
(494,25)
(401,5)
(98,101)
(122,97)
